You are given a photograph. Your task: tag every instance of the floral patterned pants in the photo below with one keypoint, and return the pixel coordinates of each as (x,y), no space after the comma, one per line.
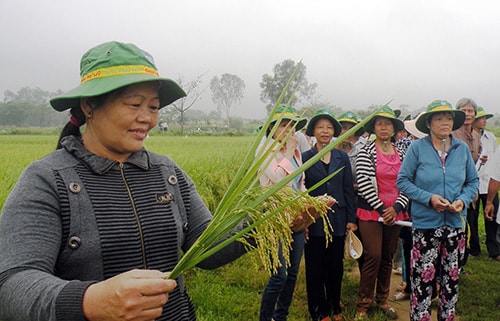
(437,254)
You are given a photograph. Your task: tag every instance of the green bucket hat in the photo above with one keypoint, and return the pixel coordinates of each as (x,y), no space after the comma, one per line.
(323,113)
(287,112)
(350,117)
(482,113)
(113,65)
(388,113)
(439,106)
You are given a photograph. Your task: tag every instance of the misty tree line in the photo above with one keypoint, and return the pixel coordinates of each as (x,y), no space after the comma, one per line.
(29,107)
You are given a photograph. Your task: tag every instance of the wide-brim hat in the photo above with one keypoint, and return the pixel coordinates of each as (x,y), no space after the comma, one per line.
(352,118)
(323,113)
(288,113)
(388,113)
(439,106)
(113,65)
(353,248)
(482,113)
(412,129)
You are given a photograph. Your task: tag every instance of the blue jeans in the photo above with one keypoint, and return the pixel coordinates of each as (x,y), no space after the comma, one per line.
(277,295)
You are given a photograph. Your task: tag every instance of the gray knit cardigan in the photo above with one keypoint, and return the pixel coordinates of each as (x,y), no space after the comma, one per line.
(74,219)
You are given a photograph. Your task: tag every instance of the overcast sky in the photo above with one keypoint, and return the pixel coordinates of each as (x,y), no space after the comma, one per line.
(358,52)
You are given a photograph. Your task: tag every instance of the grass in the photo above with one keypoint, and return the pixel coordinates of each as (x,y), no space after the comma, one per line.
(233,292)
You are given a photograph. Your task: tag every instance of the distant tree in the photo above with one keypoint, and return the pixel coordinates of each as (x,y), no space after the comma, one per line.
(226,91)
(193,94)
(12,114)
(213,118)
(31,95)
(236,123)
(273,85)
(29,107)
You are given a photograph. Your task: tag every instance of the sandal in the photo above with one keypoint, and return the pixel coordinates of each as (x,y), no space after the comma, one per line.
(389,312)
(401,287)
(401,296)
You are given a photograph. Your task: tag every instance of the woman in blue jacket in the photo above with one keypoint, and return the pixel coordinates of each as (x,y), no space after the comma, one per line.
(324,265)
(438,174)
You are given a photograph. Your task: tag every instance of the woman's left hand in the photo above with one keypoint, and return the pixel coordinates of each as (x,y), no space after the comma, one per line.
(389,216)
(456,207)
(303,220)
(351,227)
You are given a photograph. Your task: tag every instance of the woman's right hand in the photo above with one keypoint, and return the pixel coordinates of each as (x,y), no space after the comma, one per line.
(290,146)
(133,295)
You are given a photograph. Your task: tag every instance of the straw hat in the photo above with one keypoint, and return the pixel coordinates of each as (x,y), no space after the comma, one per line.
(412,129)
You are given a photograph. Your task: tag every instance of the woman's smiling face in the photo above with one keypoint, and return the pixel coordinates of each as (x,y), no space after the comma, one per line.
(323,131)
(119,127)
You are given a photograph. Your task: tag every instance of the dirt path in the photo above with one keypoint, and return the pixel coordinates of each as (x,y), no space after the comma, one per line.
(402,307)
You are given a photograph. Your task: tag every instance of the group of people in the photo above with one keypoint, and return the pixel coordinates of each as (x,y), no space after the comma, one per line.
(90,231)
(431,178)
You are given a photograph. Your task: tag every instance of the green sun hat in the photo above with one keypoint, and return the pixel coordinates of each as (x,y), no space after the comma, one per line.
(388,113)
(350,117)
(113,65)
(439,106)
(323,113)
(287,112)
(482,113)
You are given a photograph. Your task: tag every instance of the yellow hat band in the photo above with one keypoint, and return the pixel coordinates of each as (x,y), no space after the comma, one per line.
(285,115)
(119,71)
(387,115)
(347,120)
(441,108)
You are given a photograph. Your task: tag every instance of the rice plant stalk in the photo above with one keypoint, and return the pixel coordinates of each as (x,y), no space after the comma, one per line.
(245,202)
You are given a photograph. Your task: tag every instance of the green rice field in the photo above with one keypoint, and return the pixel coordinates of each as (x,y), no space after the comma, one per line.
(233,292)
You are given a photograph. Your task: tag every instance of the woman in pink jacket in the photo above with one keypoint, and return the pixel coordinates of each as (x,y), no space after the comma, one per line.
(277,295)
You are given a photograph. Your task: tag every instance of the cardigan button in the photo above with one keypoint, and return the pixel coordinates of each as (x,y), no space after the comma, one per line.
(74,242)
(74,187)
(172,179)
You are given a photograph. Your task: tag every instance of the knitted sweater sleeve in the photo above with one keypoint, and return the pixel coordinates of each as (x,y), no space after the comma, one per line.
(199,217)
(30,237)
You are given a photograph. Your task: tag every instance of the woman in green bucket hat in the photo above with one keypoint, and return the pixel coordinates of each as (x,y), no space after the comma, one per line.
(92,229)
(278,292)
(324,260)
(287,113)
(351,145)
(440,177)
(380,204)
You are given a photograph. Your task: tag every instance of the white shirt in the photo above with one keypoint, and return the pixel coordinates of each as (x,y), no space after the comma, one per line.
(493,170)
(489,147)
